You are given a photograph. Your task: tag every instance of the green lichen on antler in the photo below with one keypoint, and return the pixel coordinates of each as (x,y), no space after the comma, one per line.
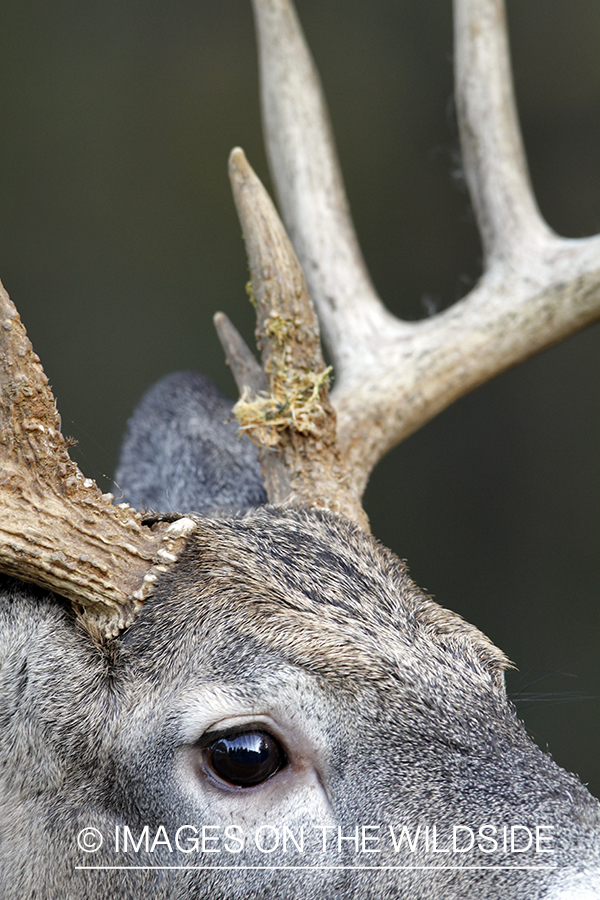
(250,293)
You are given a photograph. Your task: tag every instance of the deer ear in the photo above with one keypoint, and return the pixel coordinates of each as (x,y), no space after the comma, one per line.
(183,451)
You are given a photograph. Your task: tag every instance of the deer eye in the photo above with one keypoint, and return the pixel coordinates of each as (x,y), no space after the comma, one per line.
(245,758)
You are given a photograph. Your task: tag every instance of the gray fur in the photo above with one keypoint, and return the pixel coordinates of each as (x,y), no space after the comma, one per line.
(391,710)
(183,451)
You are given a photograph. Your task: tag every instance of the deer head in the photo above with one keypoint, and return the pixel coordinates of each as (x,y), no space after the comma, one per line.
(263,703)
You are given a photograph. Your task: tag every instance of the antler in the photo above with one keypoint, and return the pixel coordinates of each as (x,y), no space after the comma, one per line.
(286,410)
(56,528)
(393,376)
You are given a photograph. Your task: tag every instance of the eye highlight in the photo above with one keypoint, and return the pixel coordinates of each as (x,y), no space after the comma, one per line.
(244,758)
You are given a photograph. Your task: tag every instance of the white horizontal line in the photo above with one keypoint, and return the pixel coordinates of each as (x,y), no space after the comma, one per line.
(316,868)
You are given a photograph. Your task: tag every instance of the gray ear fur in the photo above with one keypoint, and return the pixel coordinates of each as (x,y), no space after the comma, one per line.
(182,453)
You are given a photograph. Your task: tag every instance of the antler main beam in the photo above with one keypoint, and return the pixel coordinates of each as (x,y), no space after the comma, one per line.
(56,528)
(393,376)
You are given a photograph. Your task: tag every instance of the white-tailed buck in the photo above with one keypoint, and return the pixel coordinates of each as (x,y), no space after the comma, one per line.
(247,696)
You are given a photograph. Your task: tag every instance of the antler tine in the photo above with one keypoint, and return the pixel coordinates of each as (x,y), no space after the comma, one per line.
(491,143)
(293,421)
(56,529)
(309,186)
(393,376)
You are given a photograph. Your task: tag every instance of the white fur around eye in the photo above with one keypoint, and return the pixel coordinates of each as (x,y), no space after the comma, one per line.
(213,707)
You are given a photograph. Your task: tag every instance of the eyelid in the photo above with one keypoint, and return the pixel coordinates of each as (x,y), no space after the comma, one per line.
(239,724)
(252,727)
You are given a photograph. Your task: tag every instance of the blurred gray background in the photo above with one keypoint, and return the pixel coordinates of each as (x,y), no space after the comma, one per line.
(118,240)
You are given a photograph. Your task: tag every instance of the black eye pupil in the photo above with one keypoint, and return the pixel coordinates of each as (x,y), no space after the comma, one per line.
(245,759)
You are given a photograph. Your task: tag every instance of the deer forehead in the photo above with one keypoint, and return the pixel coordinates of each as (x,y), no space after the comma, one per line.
(308,588)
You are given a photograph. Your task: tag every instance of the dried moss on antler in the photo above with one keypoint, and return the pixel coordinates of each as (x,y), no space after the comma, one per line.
(295,399)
